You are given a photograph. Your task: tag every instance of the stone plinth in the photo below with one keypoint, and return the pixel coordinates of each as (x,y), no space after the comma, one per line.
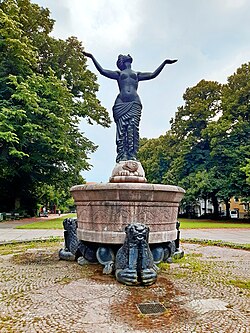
(104,210)
(128,172)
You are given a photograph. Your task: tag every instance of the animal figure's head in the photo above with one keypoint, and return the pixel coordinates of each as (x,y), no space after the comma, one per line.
(137,233)
(70,224)
(131,166)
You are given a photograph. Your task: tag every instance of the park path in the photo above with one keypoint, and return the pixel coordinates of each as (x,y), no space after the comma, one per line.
(8,233)
(238,236)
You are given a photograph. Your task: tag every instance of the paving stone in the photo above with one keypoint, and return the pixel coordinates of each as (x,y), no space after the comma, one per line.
(205,305)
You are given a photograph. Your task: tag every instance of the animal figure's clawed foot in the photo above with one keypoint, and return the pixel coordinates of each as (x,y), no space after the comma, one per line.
(82,261)
(148,276)
(127,276)
(105,255)
(66,255)
(108,268)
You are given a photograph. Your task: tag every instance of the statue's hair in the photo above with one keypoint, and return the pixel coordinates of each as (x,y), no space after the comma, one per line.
(122,59)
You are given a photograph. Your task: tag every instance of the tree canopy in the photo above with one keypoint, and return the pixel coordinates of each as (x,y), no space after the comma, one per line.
(45,90)
(207,149)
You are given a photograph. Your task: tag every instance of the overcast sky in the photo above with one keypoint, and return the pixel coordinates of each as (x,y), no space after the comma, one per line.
(210,39)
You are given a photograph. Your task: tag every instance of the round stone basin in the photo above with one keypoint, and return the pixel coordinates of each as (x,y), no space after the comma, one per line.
(104,210)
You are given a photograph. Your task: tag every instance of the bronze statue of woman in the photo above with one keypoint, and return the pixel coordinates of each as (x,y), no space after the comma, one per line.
(127,107)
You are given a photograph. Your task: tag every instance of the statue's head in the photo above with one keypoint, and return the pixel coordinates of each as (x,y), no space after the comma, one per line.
(122,59)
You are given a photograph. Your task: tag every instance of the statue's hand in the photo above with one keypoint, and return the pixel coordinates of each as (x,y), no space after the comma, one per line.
(87,54)
(168,61)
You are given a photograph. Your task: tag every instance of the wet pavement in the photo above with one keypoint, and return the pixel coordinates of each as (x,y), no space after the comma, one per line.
(202,293)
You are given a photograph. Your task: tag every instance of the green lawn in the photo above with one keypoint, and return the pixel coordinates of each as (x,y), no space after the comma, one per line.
(211,224)
(185,224)
(47,224)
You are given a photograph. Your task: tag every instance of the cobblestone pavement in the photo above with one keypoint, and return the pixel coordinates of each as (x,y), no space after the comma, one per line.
(203,292)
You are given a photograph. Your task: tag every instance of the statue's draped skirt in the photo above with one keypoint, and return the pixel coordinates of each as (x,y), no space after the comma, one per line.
(127,117)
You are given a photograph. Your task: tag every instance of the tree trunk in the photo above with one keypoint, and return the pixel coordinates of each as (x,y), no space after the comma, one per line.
(205,205)
(215,205)
(227,203)
(17,202)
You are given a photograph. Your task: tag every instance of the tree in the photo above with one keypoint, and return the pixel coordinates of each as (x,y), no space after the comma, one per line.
(246,169)
(210,135)
(156,156)
(230,138)
(45,89)
(193,160)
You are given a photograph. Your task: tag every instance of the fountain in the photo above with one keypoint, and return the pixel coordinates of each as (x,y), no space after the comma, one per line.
(127,225)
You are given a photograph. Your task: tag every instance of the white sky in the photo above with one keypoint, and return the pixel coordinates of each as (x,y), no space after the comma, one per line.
(210,39)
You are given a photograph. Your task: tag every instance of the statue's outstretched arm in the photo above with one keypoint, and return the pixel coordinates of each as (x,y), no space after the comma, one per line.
(105,72)
(150,76)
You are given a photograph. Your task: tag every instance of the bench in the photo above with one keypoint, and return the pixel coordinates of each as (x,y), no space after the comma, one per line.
(16,216)
(9,216)
(12,216)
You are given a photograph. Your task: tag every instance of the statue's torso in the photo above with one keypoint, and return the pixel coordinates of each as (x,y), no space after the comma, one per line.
(128,84)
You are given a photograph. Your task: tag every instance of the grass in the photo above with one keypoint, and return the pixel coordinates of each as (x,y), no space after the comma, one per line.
(46,224)
(185,224)
(208,242)
(191,265)
(240,284)
(211,224)
(16,247)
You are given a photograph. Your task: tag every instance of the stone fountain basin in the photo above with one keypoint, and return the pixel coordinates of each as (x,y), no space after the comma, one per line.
(104,210)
